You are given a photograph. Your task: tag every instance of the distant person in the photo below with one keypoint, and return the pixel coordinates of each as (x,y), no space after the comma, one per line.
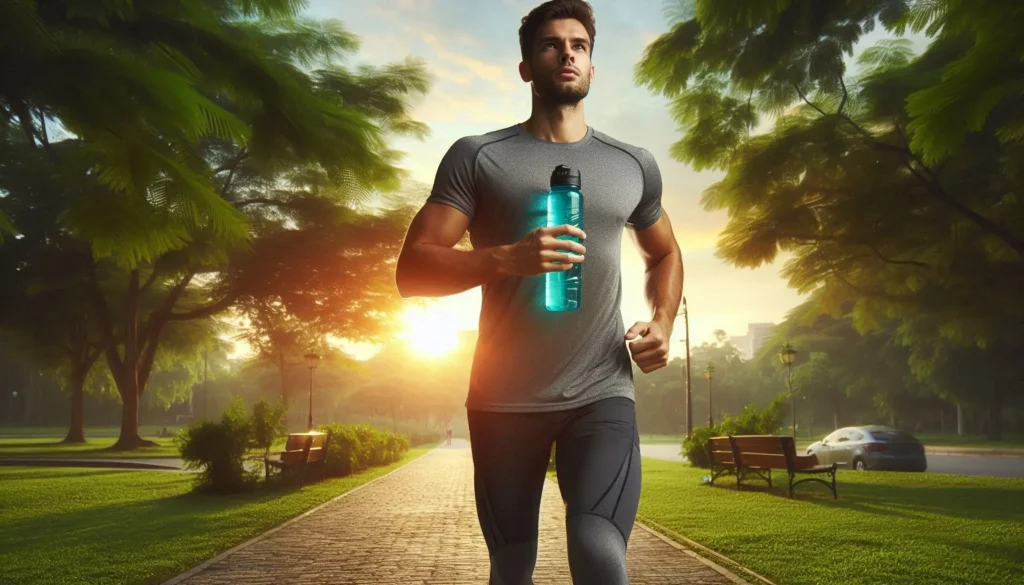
(540,378)
(448,432)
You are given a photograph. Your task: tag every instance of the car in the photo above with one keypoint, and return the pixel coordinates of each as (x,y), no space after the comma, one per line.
(871,447)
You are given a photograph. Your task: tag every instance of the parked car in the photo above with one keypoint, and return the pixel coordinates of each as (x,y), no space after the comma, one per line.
(871,447)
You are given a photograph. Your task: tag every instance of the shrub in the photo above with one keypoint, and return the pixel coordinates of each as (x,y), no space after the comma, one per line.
(424,437)
(268,423)
(361,446)
(752,421)
(217,450)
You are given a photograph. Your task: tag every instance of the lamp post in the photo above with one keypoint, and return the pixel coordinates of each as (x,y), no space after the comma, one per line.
(689,397)
(786,355)
(709,372)
(14,403)
(312,361)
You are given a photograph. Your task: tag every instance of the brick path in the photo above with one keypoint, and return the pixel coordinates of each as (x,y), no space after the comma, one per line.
(418,526)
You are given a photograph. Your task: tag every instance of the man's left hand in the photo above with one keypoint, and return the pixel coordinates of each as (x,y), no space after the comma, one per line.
(650,352)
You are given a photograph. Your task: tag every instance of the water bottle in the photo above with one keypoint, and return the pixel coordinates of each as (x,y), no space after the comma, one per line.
(563,204)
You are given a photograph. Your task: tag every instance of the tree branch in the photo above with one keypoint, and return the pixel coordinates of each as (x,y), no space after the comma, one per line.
(846,95)
(150,280)
(263,201)
(208,310)
(155,324)
(800,93)
(901,262)
(106,324)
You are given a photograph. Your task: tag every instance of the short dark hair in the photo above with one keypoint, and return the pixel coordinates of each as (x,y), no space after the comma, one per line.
(554,10)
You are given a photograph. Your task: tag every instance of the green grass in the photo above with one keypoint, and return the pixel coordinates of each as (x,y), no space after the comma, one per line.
(111,526)
(60,432)
(912,529)
(674,439)
(92,448)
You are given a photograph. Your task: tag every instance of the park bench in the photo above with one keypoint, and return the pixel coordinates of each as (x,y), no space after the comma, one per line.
(301,452)
(758,455)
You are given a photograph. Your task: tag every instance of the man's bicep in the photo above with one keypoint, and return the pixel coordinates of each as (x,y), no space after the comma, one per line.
(656,241)
(438,224)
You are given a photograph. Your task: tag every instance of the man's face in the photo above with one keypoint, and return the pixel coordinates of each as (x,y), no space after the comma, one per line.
(559,65)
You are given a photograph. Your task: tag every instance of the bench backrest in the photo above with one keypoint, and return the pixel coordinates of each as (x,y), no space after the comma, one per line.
(771,451)
(308,447)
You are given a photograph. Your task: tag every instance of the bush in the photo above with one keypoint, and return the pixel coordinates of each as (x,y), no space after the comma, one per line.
(417,438)
(361,446)
(268,423)
(752,421)
(217,450)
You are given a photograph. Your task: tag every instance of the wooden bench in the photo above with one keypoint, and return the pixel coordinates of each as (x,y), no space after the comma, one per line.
(301,451)
(758,455)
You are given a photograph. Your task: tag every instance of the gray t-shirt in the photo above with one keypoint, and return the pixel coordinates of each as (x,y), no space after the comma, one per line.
(528,359)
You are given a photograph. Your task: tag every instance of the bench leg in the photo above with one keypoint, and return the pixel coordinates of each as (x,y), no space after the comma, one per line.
(769,477)
(791,477)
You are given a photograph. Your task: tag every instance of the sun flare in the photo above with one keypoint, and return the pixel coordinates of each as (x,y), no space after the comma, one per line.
(430,333)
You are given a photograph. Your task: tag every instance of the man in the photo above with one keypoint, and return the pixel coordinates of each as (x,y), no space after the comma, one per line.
(540,378)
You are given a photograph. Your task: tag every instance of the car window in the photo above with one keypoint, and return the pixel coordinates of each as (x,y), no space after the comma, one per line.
(856,435)
(832,438)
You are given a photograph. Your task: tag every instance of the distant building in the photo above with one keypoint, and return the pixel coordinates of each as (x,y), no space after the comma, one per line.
(749,344)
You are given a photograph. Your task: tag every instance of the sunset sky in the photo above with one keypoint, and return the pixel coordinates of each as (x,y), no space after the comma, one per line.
(471,50)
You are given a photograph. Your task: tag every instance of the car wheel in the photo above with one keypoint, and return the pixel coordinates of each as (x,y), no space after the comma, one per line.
(859,465)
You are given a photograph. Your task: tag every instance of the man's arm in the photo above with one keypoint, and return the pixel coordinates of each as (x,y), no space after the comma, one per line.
(664,289)
(430,266)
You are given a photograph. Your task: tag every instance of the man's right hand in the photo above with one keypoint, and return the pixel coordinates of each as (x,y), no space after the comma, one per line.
(541,251)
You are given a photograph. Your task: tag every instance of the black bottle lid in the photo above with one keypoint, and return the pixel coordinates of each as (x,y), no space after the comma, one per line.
(563,175)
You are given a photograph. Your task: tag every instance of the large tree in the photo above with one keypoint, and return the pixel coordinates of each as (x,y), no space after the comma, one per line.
(856,175)
(180,127)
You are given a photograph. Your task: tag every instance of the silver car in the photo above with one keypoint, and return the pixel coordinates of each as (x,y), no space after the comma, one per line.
(871,447)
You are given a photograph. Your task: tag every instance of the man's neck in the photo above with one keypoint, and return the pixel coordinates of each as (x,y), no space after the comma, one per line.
(557,124)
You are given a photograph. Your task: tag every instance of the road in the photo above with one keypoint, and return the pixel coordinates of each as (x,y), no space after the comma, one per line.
(983,465)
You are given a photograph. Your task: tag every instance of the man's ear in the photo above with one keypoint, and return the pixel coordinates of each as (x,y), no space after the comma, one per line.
(524,72)
(592,70)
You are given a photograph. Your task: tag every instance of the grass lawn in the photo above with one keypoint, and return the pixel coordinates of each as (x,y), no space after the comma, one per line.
(674,439)
(147,431)
(100,526)
(49,447)
(911,529)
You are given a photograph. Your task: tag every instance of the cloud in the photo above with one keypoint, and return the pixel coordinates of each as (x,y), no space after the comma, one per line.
(497,74)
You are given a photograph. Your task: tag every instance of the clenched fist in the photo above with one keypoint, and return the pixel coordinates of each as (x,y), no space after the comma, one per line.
(650,352)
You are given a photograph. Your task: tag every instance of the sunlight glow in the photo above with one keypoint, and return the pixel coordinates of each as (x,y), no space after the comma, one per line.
(430,332)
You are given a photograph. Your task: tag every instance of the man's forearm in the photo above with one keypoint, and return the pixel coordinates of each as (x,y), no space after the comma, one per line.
(664,288)
(428,270)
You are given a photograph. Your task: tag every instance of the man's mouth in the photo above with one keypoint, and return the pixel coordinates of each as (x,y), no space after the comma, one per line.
(567,73)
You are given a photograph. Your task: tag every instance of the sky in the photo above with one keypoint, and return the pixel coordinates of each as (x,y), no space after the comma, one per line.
(471,51)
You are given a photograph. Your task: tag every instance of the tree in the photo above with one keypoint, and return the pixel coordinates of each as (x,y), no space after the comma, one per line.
(844,178)
(227,121)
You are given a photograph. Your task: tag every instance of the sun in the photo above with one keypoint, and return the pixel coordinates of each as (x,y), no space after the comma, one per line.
(430,333)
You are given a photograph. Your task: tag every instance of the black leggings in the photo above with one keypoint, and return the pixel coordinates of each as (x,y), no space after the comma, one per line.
(598,462)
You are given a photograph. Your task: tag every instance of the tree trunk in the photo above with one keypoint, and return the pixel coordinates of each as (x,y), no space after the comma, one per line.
(130,401)
(995,414)
(76,431)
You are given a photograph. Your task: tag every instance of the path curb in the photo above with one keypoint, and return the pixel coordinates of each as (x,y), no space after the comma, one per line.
(202,566)
(663,533)
(86,462)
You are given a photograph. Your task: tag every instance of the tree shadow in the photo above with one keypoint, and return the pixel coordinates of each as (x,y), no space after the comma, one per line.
(964,502)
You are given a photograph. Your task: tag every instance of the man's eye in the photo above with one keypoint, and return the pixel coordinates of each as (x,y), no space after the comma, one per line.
(581,47)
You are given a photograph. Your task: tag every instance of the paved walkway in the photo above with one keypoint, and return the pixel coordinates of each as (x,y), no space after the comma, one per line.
(417,526)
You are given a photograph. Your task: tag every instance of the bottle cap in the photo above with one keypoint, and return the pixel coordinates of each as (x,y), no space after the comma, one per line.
(563,175)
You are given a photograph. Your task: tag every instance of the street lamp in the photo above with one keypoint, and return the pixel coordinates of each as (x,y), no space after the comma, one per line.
(689,398)
(786,355)
(709,372)
(312,361)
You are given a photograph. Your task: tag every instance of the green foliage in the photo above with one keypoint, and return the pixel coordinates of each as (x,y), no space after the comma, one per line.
(357,447)
(268,423)
(217,450)
(752,421)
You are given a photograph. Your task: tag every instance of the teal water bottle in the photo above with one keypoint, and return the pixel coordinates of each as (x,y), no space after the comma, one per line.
(563,290)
